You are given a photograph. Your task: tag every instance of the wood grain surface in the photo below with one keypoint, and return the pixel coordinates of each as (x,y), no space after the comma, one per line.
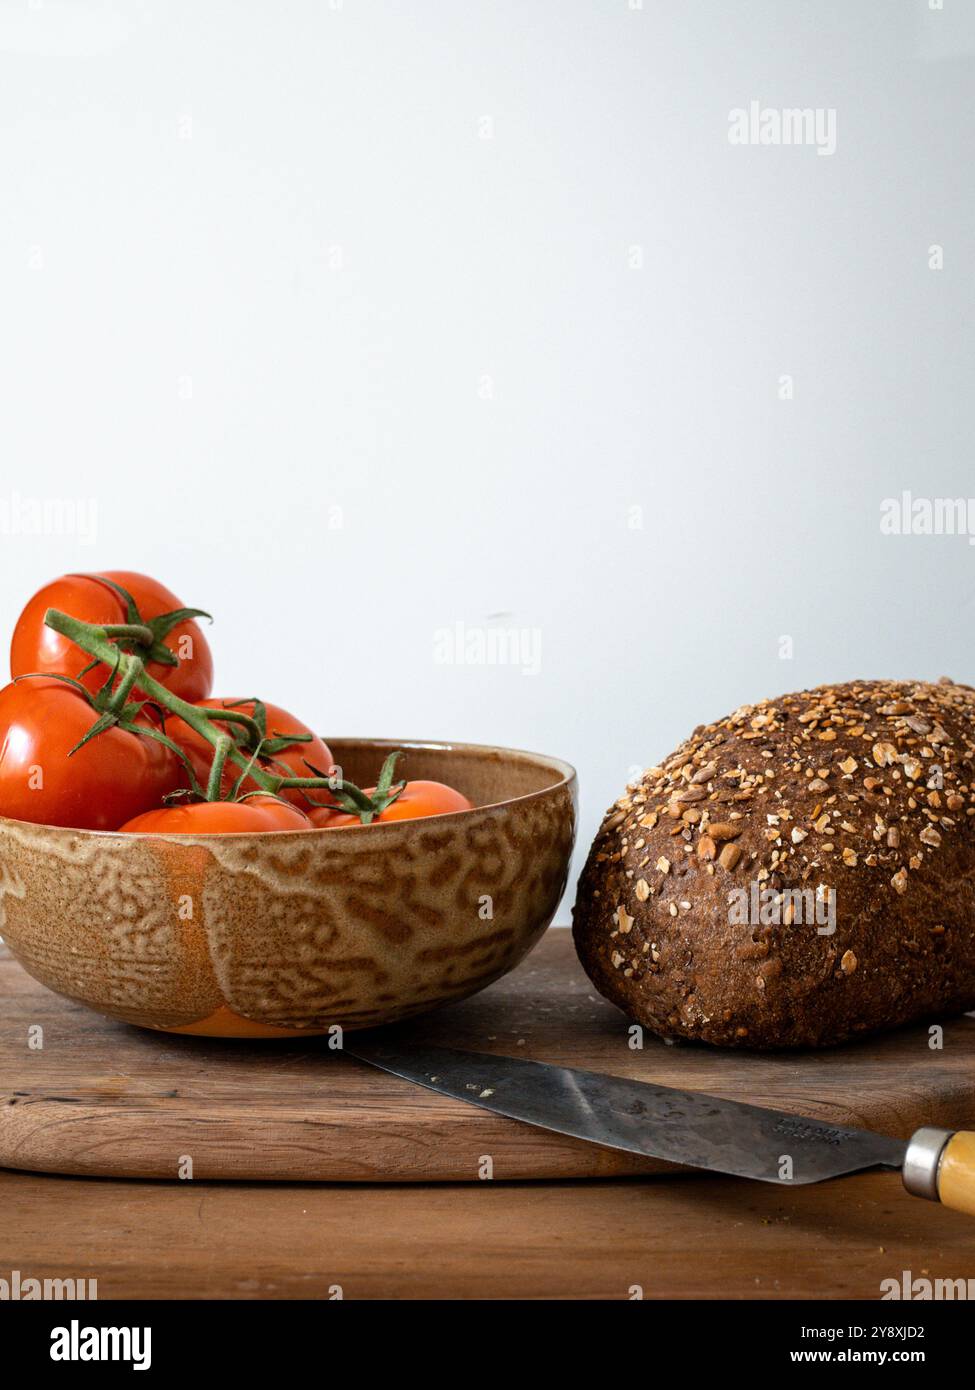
(686,1237)
(101,1098)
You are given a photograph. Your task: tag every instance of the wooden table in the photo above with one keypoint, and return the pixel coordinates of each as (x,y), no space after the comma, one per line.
(676,1237)
(680,1235)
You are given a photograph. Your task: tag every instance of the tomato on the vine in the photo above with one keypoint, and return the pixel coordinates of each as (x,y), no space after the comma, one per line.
(283,758)
(188,669)
(110,713)
(220,818)
(416,800)
(115,776)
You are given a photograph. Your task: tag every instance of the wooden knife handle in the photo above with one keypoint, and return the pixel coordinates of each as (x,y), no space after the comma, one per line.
(956,1172)
(940,1165)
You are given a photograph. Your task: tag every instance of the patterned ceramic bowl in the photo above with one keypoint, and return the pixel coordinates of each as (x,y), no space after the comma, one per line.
(262,935)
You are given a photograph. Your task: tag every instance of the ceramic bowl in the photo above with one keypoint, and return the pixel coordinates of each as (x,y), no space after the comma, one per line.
(268,934)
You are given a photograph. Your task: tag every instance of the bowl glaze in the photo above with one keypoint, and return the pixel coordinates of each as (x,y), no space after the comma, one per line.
(269,934)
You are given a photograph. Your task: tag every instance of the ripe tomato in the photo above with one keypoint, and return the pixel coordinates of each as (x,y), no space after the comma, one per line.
(114,777)
(36,647)
(417,799)
(290,761)
(219,818)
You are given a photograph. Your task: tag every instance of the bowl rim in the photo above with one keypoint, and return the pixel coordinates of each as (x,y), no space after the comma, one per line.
(567,777)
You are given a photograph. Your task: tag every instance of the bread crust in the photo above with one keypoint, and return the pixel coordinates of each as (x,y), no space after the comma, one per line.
(795,875)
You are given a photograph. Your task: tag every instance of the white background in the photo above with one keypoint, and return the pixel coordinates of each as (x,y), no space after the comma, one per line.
(262,273)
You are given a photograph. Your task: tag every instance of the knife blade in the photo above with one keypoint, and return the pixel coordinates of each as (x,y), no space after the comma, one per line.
(682,1127)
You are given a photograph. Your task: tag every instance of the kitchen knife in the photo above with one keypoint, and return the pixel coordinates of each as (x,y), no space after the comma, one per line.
(685,1127)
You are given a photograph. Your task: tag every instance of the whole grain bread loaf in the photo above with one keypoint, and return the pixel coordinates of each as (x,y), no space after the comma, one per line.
(796,874)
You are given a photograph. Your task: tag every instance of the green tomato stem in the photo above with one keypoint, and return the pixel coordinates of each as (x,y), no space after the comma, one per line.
(224,743)
(132,671)
(134,632)
(233,716)
(94,641)
(362,801)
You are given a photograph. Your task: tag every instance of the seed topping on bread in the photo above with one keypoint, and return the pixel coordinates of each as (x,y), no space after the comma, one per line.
(889,783)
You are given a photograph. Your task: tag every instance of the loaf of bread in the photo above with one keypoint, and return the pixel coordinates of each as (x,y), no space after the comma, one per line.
(795,875)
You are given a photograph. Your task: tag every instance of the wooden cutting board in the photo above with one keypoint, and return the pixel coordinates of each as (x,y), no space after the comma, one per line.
(102,1098)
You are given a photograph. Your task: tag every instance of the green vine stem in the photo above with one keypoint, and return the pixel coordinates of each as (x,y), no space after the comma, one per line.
(234,716)
(362,801)
(94,641)
(217,767)
(135,632)
(123,690)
